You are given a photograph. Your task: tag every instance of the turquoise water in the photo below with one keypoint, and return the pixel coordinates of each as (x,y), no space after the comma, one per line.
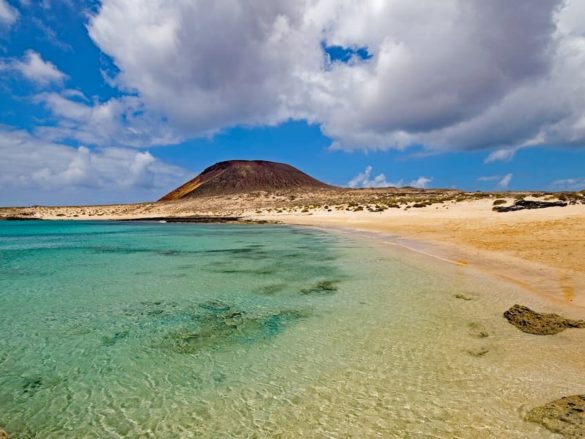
(114,330)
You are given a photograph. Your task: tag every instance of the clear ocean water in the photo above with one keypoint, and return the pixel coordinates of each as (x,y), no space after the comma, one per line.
(147,330)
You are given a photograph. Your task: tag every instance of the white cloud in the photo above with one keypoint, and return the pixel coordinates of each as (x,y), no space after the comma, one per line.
(420,182)
(501,155)
(38,169)
(505,181)
(8,14)
(569,184)
(451,75)
(208,66)
(35,69)
(122,121)
(364,180)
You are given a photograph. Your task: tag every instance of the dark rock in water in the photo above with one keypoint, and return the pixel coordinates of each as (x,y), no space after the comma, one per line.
(540,324)
(527,204)
(565,416)
(463,297)
(323,287)
(3,434)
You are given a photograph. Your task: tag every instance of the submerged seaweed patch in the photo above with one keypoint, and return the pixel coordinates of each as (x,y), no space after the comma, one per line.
(207,325)
(221,329)
(31,385)
(322,287)
(115,338)
(270,289)
(215,306)
(258,271)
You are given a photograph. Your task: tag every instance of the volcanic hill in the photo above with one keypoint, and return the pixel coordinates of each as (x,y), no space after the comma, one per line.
(240,176)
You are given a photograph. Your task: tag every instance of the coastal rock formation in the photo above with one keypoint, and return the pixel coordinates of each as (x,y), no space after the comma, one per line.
(240,176)
(528,204)
(532,322)
(565,416)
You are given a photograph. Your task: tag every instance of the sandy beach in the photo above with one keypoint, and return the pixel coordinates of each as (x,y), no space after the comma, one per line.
(542,250)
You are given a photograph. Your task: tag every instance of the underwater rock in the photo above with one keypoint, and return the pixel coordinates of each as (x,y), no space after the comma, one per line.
(477,330)
(565,416)
(323,287)
(478,352)
(462,296)
(539,324)
(3,434)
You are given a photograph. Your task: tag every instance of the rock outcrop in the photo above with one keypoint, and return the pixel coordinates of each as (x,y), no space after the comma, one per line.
(532,322)
(528,204)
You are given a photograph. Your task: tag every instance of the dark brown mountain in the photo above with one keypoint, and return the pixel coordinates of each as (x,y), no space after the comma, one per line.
(239,176)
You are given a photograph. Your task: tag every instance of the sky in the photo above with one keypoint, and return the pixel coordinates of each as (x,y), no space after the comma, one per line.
(108,101)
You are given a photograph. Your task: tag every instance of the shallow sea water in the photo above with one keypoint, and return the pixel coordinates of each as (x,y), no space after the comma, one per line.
(147,330)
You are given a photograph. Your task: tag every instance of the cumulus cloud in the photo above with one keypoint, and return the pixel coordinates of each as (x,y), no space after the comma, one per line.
(35,69)
(364,180)
(450,75)
(37,166)
(420,182)
(207,66)
(122,121)
(8,14)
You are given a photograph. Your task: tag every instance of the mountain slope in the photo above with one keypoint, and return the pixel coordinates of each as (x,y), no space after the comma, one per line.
(238,176)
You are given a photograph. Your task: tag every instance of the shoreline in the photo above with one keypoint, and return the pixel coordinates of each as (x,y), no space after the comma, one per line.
(560,287)
(540,250)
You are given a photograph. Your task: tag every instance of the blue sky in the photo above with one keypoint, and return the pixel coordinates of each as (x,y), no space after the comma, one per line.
(120,101)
